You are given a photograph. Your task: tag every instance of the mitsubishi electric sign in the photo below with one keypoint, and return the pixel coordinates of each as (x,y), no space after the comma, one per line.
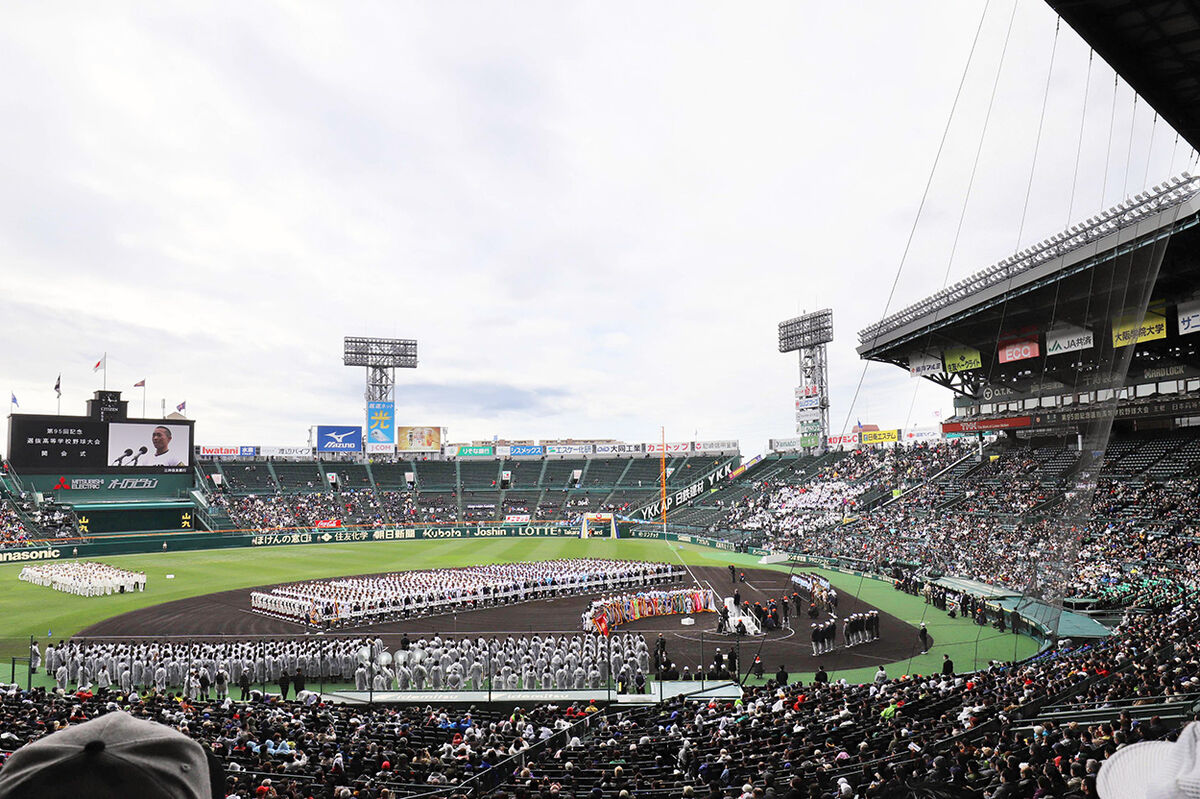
(339,438)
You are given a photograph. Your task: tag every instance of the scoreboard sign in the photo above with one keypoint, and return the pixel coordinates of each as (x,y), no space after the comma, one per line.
(79,444)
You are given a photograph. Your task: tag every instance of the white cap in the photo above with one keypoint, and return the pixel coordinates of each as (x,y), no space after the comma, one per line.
(1154,769)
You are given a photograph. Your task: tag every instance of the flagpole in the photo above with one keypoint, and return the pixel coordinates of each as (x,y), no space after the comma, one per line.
(143,399)
(104,366)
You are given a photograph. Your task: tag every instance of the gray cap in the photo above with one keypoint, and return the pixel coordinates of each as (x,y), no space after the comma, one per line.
(113,756)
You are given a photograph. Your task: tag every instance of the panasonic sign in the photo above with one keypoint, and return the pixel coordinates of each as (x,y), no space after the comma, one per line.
(29,554)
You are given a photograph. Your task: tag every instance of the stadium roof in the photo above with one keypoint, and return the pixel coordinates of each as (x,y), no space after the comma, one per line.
(1154,45)
(1078,275)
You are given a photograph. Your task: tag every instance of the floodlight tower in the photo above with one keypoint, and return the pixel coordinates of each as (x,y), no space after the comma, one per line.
(808,335)
(382,357)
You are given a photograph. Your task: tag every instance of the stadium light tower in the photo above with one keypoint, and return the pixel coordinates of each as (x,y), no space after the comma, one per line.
(382,357)
(808,335)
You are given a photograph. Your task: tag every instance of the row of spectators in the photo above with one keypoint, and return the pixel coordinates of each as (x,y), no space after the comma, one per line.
(21,521)
(969,735)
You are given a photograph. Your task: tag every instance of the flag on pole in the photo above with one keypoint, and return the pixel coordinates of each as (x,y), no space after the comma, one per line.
(181,407)
(100,363)
(140,384)
(58,386)
(14,400)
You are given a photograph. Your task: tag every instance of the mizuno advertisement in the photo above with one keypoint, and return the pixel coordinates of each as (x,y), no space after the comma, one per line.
(339,438)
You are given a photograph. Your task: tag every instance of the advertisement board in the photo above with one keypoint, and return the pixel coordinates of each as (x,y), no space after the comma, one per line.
(285,452)
(476,452)
(1188,317)
(1011,423)
(526,451)
(1068,338)
(880,436)
(715,446)
(672,447)
(807,391)
(379,449)
(921,364)
(684,495)
(219,452)
(1018,346)
(381,424)
(962,359)
(339,438)
(420,439)
(808,402)
(1128,328)
(569,449)
(922,435)
(75,444)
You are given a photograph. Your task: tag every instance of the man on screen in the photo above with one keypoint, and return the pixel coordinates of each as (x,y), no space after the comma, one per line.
(161,439)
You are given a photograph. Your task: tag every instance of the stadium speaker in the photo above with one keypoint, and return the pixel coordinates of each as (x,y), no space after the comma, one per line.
(576,476)
(505,480)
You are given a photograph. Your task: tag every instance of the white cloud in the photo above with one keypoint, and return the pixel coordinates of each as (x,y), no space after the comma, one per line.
(591,216)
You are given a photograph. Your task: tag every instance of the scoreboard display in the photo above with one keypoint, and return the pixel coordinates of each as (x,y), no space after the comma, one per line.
(102,442)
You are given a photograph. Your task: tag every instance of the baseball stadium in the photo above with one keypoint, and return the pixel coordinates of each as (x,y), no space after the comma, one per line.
(1000,605)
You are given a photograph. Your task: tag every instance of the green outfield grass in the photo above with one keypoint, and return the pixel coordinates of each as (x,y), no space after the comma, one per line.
(31,610)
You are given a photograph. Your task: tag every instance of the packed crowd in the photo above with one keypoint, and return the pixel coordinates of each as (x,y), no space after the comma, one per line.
(1015,518)
(84,578)
(968,735)
(965,735)
(12,529)
(352,600)
(277,750)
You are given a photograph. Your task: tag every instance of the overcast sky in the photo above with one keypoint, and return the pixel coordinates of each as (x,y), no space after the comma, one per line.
(591,215)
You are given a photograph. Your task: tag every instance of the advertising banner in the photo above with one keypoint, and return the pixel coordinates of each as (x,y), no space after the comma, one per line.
(1127,329)
(677,498)
(526,451)
(420,439)
(339,438)
(219,452)
(247,452)
(920,364)
(880,436)
(286,452)
(808,402)
(380,449)
(849,439)
(517,517)
(1153,409)
(1011,423)
(381,424)
(1189,317)
(569,449)
(785,444)
(808,416)
(476,452)
(922,435)
(807,391)
(673,447)
(715,446)
(1018,346)
(962,359)
(812,440)
(1068,338)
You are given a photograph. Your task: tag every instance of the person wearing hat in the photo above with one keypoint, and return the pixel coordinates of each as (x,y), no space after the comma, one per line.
(1154,769)
(113,757)
(923,634)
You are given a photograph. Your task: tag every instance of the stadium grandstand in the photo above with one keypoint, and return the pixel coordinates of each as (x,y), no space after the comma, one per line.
(992,608)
